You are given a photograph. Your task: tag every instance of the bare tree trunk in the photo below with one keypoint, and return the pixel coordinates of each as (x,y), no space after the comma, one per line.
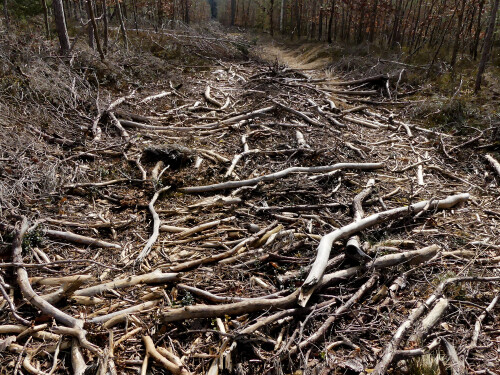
(62,31)
(330,22)
(271,17)
(6,13)
(233,11)
(282,16)
(106,26)
(373,21)
(186,12)
(46,18)
(90,28)
(456,44)
(134,7)
(122,24)
(90,10)
(478,31)
(488,41)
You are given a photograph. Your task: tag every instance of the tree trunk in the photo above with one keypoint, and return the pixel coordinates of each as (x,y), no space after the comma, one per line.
(271,17)
(6,13)
(106,26)
(90,28)
(478,31)
(186,12)
(233,11)
(213,8)
(373,21)
(488,41)
(90,10)
(134,6)
(320,24)
(456,44)
(330,22)
(62,31)
(46,18)
(122,24)
(282,16)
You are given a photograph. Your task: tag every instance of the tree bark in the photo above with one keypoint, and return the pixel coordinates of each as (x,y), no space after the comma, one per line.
(488,41)
(62,31)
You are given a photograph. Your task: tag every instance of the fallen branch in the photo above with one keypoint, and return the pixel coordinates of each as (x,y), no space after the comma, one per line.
(155,277)
(281,174)
(391,348)
(156,227)
(167,364)
(210,99)
(324,248)
(494,163)
(73,237)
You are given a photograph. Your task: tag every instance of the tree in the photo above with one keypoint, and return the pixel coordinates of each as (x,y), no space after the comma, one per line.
(213,8)
(233,12)
(46,18)
(62,31)
(488,41)
(6,13)
(90,10)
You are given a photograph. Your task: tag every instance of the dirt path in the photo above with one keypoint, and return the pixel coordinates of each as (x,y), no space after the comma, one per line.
(241,251)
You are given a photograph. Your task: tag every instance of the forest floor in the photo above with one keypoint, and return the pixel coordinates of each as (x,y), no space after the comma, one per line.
(177,206)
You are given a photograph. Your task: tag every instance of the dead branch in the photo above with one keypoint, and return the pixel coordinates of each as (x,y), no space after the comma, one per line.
(156,227)
(324,248)
(281,174)
(390,349)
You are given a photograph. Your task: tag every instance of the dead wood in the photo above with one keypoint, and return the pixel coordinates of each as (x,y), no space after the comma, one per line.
(323,251)
(390,350)
(156,227)
(280,174)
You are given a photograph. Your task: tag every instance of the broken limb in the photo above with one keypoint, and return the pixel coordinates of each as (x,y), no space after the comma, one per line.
(155,277)
(202,227)
(27,290)
(156,227)
(215,258)
(494,163)
(479,322)
(167,364)
(392,346)
(280,174)
(73,237)
(210,99)
(353,247)
(325,245)
(321,331)
(261,304)
(303,116)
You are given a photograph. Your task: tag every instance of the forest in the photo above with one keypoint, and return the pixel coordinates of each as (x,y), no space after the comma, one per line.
(300,187)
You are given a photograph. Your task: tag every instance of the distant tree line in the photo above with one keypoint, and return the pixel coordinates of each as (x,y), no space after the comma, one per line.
(433,28)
